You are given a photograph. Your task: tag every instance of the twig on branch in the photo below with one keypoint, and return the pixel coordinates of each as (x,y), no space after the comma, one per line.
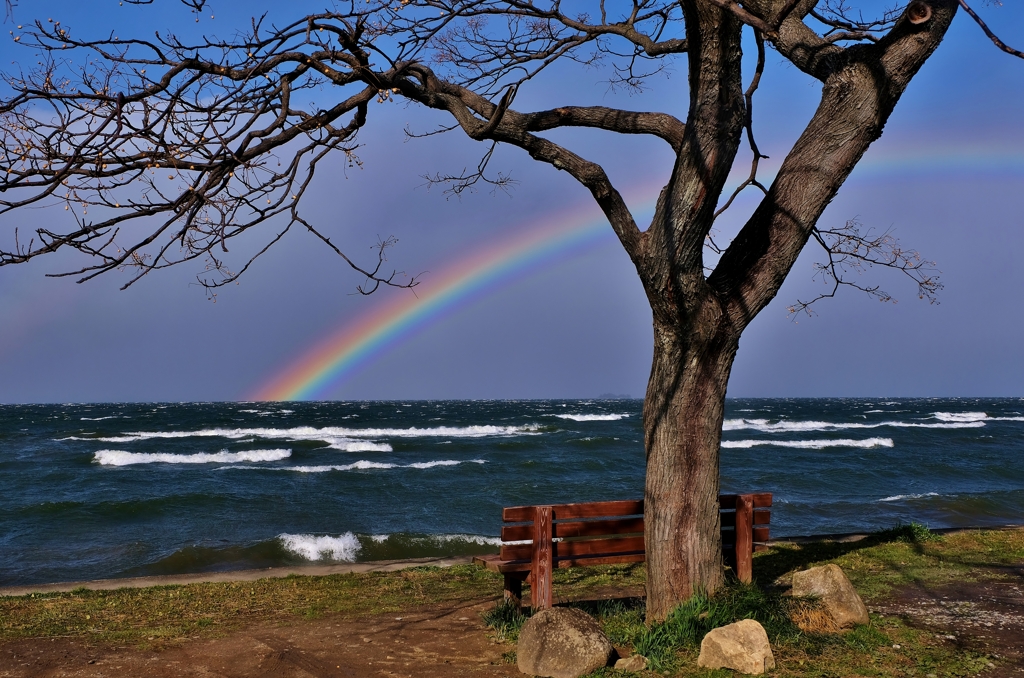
(466,181)
(852,250)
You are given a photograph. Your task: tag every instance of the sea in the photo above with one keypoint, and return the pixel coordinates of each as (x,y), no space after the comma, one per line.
(120,490)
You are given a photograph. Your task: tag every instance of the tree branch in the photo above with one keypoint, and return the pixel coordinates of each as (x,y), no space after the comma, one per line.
(991,36)
(850,250)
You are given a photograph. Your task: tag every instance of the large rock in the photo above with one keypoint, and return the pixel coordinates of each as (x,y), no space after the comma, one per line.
(742,647)
(830,584)
(562,642)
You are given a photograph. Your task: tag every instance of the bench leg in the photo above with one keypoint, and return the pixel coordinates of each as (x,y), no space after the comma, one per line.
(744,548)
(542,560)
(514,590)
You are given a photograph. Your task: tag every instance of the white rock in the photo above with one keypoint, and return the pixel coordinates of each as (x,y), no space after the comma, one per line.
(634,662)
(742,647)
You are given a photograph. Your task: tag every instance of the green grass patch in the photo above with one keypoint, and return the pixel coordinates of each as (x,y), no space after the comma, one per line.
(174,613)
(902,556)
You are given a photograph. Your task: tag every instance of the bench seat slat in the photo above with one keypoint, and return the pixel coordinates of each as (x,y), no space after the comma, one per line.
(581,547)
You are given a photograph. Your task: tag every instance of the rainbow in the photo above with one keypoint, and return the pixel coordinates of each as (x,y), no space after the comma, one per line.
(354,345)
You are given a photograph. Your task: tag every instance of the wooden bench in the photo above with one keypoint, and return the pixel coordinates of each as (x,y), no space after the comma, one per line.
(537,539)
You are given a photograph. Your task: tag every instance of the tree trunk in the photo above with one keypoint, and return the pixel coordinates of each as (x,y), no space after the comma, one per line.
(683,414)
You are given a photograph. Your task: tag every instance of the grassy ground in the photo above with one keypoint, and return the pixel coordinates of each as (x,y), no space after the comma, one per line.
(901,558)
(174,613)
(877,566)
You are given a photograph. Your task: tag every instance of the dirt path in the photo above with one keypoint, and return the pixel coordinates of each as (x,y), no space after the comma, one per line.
(428,642)
(986,617)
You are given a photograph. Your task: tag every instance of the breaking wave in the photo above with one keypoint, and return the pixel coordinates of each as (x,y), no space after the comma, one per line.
(327,434)
(867,443)
(902,497)
(344,548)
(592,417)
(121,458)
(363,465)
(766,426)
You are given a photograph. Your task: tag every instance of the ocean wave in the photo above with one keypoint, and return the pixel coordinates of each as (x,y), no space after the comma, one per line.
(867,443)
(365,465)
(902,497)
(122,458)
(113,416)
(440,539)
(326,433)
(766,426)
(361,465)
(358,446)
(960,416)
(971,417)
(592,417)
(343,548)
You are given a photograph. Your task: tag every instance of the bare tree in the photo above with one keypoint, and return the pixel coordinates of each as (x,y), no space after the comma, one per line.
(164,150)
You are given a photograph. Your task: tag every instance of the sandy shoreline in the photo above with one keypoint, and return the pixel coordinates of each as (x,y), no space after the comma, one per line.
(371,566)
(232,575)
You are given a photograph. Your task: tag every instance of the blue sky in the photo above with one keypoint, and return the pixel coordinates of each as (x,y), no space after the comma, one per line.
(947,175)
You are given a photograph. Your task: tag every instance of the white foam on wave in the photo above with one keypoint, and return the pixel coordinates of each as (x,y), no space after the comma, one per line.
(902,497)
(960,416)
(361,465)
(592,417)
(971,417)
(358,446)
(365,465)
(343,548)
(327,433)
(867,443)
(470,538)
(477,539)
(122,458)
(99,418)
(767,426)
(445,462)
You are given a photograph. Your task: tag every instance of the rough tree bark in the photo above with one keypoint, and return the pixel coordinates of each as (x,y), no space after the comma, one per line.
(217,112)
(698,321)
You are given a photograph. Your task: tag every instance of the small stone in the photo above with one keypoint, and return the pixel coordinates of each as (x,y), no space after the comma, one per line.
(830,584)
(742,647)
(634,662)
(562,642)
(931,675)
(895,647)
